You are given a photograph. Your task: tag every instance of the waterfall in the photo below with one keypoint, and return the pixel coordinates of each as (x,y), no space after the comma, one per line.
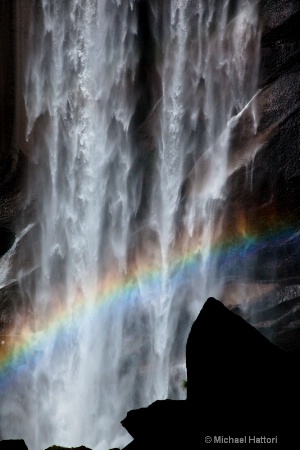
(113,291)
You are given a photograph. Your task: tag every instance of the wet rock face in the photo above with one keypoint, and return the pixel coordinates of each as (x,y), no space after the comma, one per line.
(280,49)
(14,29)
(7,239)
(7,77)
(261,195)
(276,315)
(261,213)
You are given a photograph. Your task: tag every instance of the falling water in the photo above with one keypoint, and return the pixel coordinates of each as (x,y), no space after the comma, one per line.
(81,98)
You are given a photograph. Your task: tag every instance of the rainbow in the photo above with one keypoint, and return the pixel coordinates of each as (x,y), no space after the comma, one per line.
(20,352)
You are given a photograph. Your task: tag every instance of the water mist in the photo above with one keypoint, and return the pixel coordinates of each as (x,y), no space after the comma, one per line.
(113,296)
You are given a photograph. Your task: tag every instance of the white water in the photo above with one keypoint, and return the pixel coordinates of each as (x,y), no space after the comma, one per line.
(80,97)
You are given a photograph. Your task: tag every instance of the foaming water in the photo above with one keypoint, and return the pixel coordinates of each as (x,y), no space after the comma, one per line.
(81,98)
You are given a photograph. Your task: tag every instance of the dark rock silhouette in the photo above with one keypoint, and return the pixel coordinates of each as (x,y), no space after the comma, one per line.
(239,385)
(58,447)
(222,347)
(13,444)
(19,444)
